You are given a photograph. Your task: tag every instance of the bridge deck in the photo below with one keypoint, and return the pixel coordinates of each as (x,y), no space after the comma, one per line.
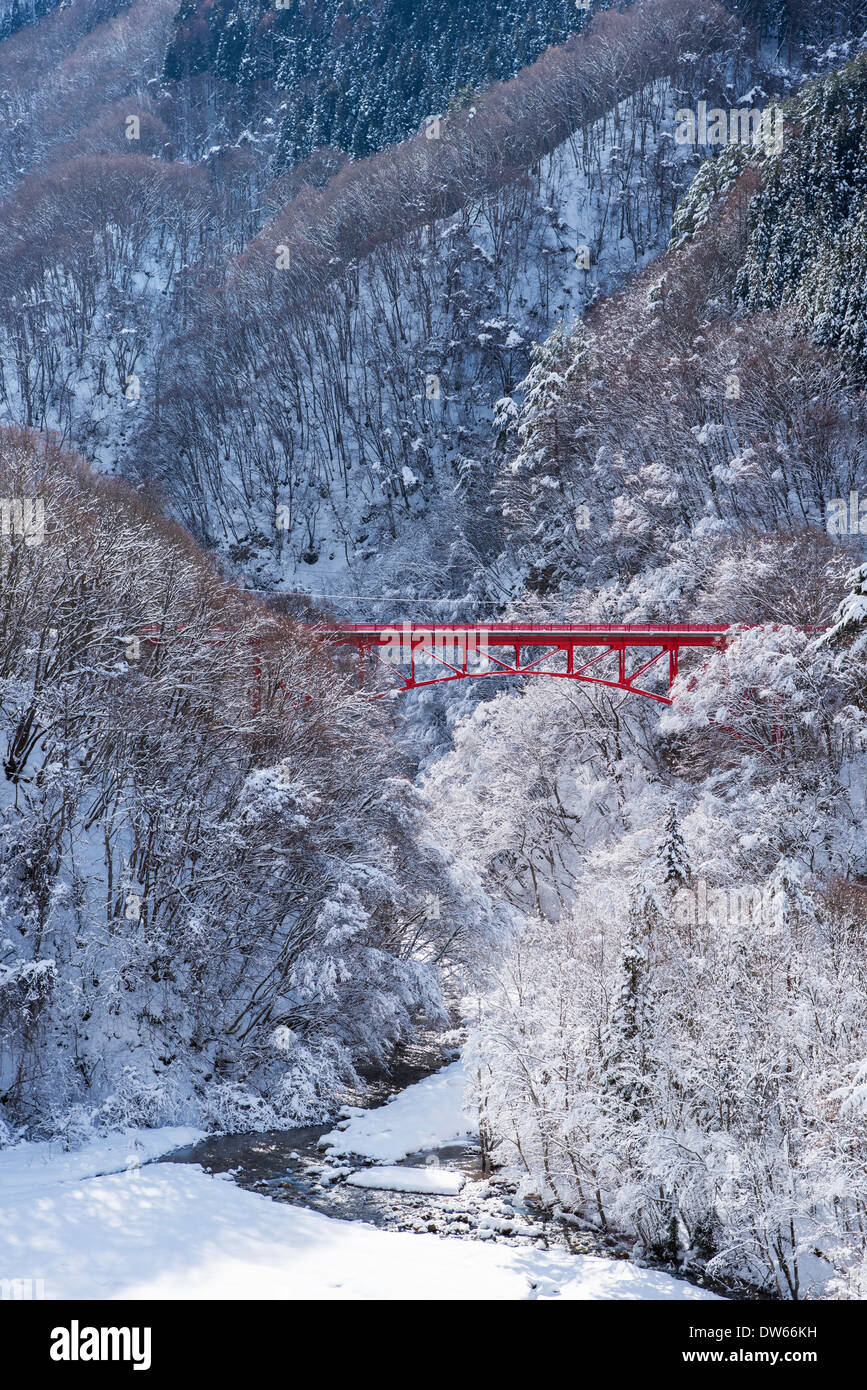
(537,634)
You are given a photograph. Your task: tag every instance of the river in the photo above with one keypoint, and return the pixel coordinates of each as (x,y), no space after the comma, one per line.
(291,1166)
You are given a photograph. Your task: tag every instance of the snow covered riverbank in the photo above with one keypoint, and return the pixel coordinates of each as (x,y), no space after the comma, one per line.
(97,1224)
(171,1231)
(27,1169)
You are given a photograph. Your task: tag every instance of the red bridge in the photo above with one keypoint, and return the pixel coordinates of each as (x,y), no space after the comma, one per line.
(610,654)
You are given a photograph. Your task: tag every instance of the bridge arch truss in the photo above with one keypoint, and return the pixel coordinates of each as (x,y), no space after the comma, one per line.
(638,659)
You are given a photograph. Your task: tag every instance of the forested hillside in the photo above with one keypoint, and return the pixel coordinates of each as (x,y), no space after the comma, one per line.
(677,1045)
(378,310)
(213,866)
(14,14)
(807,242)
(757,426)
(306,388)
(360,77)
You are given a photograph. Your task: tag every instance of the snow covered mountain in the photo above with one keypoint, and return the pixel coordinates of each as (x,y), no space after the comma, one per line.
(306,307)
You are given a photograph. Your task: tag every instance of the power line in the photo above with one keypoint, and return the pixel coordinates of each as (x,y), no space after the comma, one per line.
(378,598)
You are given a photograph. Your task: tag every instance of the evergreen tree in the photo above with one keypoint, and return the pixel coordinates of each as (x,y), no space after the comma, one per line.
(402,61)
(672,856)
(809,219)
(850,620)
(628,1037)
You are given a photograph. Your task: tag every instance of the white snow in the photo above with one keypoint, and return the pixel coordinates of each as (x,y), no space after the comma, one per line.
(29,1166)
(171,1231)
(430,1113)
(444,1182)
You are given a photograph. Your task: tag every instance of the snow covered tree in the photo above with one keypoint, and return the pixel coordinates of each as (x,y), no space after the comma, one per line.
(628,1039)
(849,628)
(249,928)
(712,182)
(807,220)
(671,855)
